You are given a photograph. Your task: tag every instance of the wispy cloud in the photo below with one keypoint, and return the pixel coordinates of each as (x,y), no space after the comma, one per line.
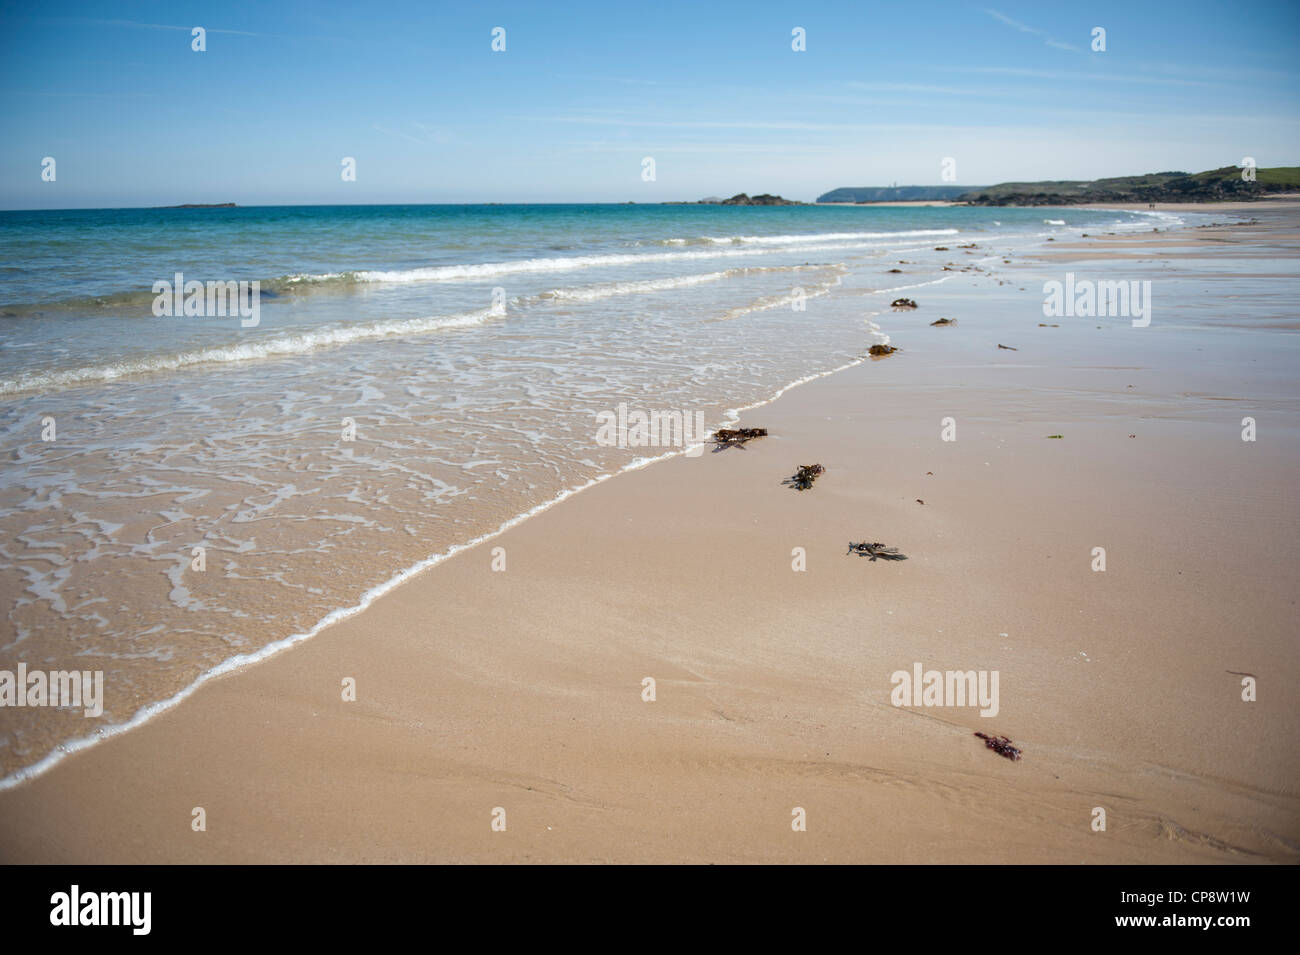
(1034,31)
(644,123)
(1016,24)
(1072,75)
(422,134)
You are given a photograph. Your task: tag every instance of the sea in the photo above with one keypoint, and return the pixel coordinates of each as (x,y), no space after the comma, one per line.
(187,491)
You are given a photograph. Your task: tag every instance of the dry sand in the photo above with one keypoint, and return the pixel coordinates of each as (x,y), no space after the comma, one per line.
(522,688)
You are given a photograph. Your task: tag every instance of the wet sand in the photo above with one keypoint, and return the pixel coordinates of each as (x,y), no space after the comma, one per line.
(522,689)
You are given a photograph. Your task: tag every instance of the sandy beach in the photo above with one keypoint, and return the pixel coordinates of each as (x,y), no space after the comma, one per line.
(771,647)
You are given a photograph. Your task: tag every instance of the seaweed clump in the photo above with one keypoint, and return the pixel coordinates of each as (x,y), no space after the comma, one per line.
(945,321)
(879,351)
(902,303)
(1001,745)
(876,551)
(804,477)
(736,437)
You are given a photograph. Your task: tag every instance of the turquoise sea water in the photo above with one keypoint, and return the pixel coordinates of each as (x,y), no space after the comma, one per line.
(417,378)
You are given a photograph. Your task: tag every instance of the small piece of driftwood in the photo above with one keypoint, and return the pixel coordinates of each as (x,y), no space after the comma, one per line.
(1009,348)
(945,321)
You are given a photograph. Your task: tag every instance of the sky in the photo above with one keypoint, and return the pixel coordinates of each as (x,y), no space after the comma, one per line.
(584,93)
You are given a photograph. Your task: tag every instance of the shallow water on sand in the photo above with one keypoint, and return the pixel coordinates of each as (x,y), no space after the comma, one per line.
(184,494)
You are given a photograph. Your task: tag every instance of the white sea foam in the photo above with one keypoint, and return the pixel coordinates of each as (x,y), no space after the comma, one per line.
(592,293)
(784,299)
(300,342)
(570,263)
(904,288)
(272,346)
(878,337)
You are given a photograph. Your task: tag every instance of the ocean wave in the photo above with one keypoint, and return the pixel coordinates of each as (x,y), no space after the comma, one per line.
(711,247)
(488,270)
(593,293)
(786,298)
(307,340)
(143,299)
(275,346)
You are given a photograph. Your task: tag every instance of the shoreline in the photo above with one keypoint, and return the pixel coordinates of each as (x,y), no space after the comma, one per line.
(232,666)
(239,662)
(288,686)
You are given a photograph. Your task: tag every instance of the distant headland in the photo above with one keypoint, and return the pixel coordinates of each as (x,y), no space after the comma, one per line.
(1229,183)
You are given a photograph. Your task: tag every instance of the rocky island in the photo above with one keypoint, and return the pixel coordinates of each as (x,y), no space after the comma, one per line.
(741,199)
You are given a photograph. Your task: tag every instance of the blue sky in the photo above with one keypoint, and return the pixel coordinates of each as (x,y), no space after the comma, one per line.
(584,91)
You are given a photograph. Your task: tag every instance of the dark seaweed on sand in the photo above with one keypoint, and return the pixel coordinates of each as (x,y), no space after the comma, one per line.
(804,477)
(1000,745)
(876,551)
(736,437)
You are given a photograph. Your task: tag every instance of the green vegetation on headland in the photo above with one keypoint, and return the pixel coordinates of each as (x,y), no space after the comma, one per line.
(1214,185)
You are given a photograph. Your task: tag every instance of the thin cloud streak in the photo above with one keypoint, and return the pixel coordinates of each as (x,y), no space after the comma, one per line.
(1034,31)
(1016,24)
